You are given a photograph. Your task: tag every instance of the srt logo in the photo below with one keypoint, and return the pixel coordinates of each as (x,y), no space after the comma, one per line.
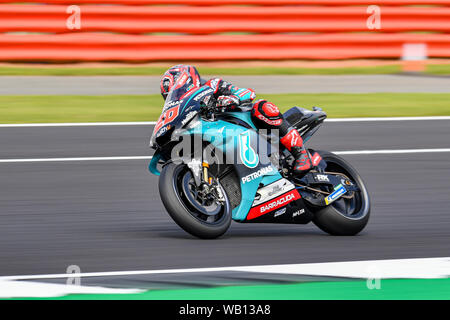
(248,156)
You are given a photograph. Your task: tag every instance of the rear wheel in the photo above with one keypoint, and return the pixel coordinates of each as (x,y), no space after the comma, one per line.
(345,216)
(196,213)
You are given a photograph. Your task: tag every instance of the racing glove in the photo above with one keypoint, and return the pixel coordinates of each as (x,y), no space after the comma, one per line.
(227,103)
(231,96)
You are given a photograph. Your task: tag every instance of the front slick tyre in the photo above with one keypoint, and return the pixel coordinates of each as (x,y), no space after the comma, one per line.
(176,188)
(344,217)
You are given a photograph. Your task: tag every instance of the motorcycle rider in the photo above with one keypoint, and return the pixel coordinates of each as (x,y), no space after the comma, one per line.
(264,114)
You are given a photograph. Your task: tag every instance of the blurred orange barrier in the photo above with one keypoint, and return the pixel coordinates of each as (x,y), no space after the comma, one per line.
(244,2)
(126,30)
(210,20)
(136,48)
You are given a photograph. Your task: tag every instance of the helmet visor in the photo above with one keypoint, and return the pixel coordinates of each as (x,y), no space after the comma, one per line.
(182,85)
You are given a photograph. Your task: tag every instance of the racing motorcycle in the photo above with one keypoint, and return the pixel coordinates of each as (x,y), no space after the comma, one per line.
(218,167)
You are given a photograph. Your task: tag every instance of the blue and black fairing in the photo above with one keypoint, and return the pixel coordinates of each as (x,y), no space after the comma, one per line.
(238,136)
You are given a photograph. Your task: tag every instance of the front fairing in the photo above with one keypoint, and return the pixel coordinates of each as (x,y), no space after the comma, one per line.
(176,114)
(238,138)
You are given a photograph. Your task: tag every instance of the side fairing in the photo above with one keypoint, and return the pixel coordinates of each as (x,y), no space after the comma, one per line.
(242,148)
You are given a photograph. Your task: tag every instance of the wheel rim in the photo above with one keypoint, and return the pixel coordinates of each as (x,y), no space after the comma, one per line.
(194,197)
(207,212)
(351,208)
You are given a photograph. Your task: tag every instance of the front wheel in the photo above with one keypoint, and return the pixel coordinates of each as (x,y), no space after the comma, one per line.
(198,215)
(344,217)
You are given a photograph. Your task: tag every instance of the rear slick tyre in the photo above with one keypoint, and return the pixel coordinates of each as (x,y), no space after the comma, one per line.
(342,217)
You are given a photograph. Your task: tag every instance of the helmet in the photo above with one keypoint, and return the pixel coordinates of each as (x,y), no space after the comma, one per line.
(171,76)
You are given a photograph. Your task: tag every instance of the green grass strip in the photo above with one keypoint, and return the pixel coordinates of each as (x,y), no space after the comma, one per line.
(158,71)
(442,69)
(439,69)
(392,289)
(53,109)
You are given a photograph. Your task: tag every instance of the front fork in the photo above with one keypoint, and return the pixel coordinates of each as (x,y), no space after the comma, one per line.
(200,171)
(208,185)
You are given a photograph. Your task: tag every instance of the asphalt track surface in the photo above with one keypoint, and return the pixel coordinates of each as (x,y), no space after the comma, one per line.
(104,85)
(107,215)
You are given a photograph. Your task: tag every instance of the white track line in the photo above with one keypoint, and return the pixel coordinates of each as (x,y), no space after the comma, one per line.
(75,159)
(387,119)
(23,289)
(395,268)
(352,152)
(77,124)
(400,151)
(87,124)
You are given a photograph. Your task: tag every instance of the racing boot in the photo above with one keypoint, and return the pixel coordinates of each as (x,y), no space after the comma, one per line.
(294,143)
(302,163)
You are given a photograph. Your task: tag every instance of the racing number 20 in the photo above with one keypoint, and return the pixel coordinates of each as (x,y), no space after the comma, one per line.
(167,117)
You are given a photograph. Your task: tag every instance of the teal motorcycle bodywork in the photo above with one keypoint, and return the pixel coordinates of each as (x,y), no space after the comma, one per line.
(209,131)
(218,167)
(263,194)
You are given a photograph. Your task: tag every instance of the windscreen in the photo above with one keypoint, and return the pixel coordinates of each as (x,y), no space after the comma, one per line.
(183,84)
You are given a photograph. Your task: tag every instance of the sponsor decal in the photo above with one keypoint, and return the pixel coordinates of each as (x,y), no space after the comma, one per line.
(294,138)
(257,174)
(271,122)
(322,178)
(277,203)
(279,212)
(271,107)
(203,94)
(273,190)
(188,117)
(338,191)
(189,108)
(171,104)
(298,212)
(316,159)
(163,130)
(248,155)
(166,117)
(274,204)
